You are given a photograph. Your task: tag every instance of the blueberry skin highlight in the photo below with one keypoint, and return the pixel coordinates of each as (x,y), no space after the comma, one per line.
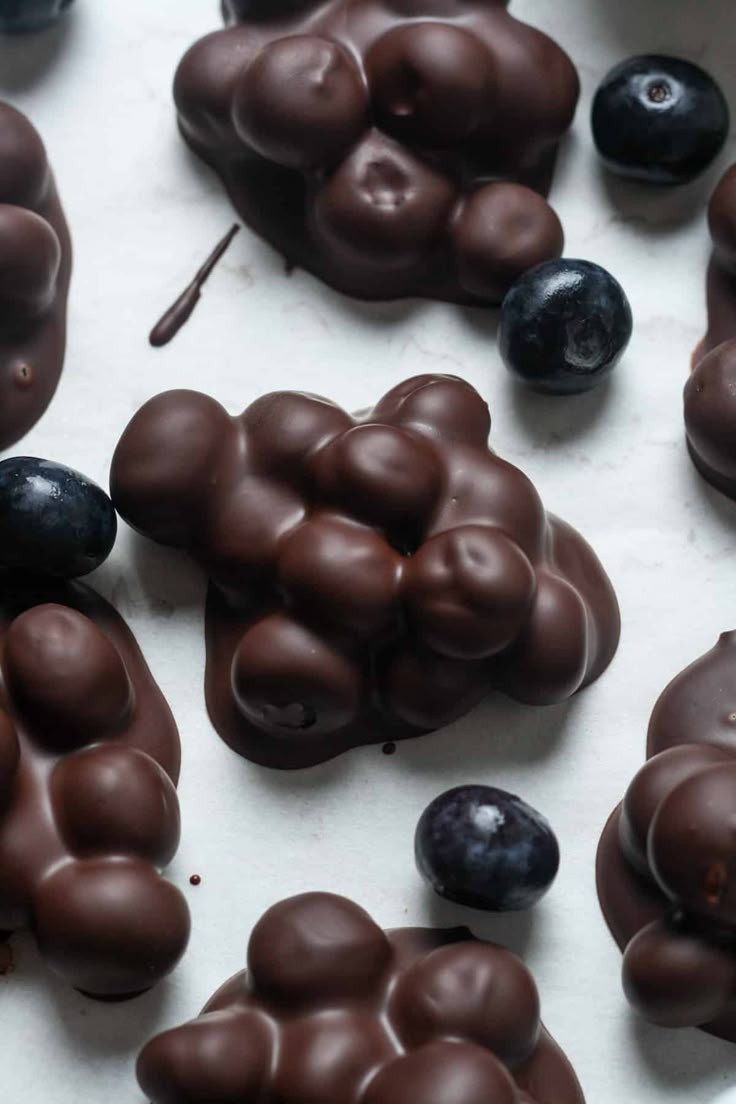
(564,326)
(659,119)
(486,848)
(53,520)
(21,16)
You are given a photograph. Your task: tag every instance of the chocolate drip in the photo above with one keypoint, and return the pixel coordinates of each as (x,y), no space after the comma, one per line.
(180,312)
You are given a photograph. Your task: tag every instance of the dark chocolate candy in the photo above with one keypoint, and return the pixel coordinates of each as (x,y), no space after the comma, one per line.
(391,147)
(35,266)
(667,858)
(710,392)
(372,577)
(89,757)
(332,1010)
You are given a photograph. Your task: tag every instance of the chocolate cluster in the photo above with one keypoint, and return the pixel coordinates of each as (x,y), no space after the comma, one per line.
(710,392)
(89,754)
(332,1009)
(373,577)
(35,265)
(667,858)
(391,147)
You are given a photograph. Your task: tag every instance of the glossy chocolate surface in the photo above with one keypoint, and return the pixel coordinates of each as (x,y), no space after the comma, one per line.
(391,147)
(332,1010)
(372,577)
(710,392)
(89,757)
(667,858)
(35,266)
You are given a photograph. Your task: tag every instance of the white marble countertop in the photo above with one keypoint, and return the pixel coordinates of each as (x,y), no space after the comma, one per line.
(143,213)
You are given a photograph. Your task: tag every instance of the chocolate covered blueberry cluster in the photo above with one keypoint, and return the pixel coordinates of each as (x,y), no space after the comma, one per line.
(676,828)
(667,859)
(35,265)
(89,754)
(391,147)
(710,392)
(373,577)
(332,1009)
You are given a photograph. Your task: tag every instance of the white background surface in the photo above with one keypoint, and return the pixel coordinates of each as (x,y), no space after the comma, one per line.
(143,214)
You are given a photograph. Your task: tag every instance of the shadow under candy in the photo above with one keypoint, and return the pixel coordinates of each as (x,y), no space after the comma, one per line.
(25,59)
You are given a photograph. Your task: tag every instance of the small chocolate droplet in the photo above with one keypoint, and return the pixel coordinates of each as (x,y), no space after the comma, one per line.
(389,748)
(195,880)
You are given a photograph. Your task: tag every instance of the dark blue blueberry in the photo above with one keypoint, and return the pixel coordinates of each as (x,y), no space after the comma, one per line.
(486,848)
(30,15)
(53,520)
(261,9)
(659,119)
(564,326)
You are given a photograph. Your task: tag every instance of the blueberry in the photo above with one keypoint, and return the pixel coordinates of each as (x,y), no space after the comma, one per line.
(659,119)
(30,15)
(564,326)
(486,848)
(53,520)
(262,9)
